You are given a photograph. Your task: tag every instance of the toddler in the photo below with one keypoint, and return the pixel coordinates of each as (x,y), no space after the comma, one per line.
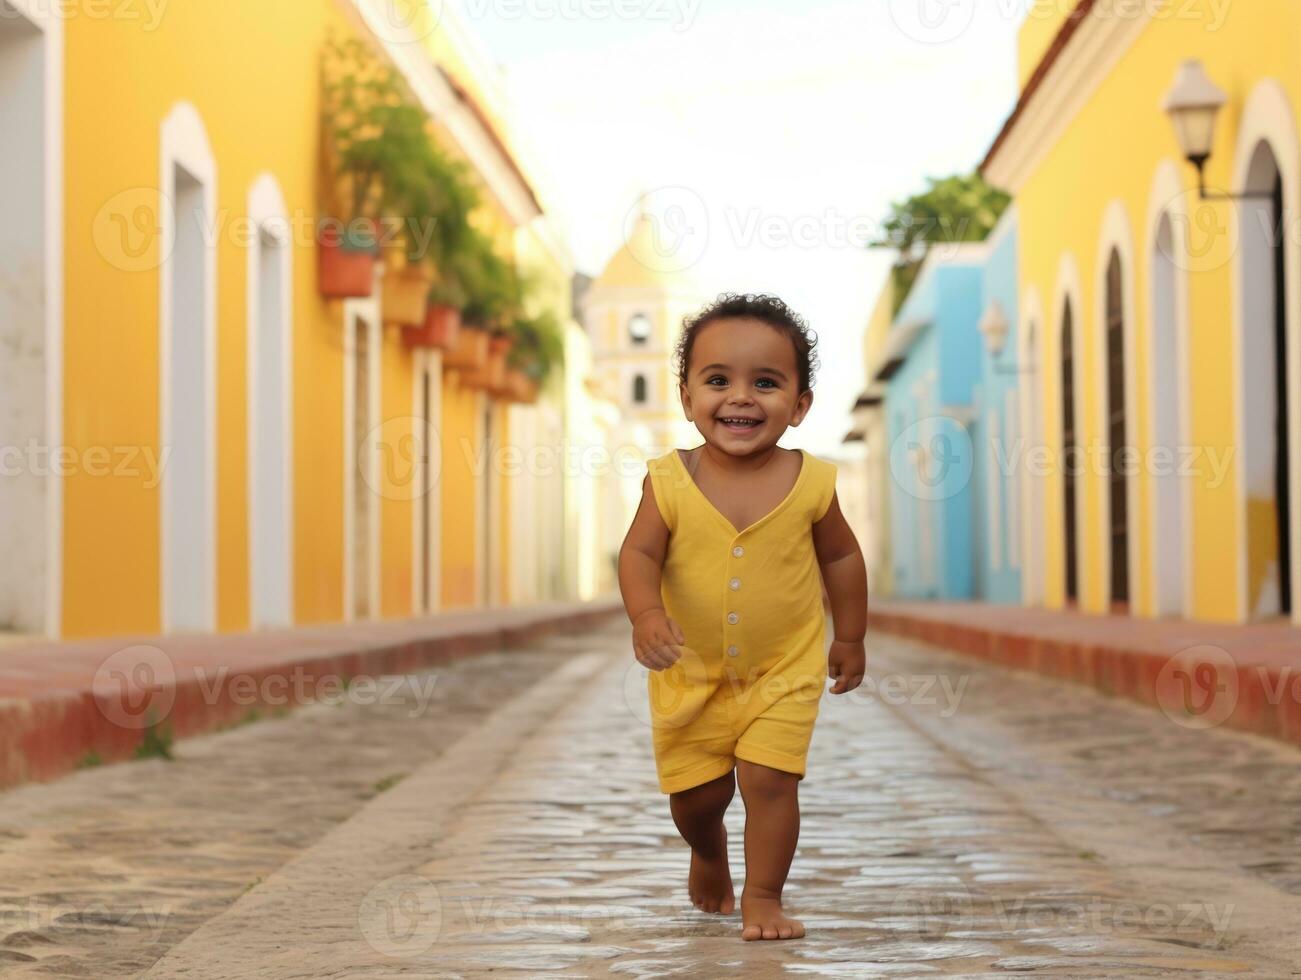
(722,574)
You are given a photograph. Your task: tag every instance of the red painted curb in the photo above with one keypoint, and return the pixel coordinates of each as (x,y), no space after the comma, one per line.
(1265,700)
(62,705)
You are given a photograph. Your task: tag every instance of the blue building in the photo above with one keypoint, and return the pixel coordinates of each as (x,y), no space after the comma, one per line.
(996,428)
(950,374)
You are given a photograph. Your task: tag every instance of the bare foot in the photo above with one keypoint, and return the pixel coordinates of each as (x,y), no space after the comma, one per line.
(763,918)
(710,882)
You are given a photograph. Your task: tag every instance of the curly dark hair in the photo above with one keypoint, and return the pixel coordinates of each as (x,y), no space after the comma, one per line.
(756,306)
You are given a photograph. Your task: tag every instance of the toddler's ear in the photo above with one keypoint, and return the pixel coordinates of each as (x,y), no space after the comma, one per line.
(802,406)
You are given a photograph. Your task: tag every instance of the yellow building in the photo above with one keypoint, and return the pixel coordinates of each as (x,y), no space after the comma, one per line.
(1157,321)
(203,441)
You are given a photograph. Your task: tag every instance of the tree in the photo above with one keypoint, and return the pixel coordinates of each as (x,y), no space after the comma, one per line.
(960,208)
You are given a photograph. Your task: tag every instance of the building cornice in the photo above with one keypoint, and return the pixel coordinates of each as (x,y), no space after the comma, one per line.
(452,106)
(1095,37)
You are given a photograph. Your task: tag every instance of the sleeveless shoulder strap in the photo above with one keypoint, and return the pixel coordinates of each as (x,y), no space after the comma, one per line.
(663,486)
(822,485)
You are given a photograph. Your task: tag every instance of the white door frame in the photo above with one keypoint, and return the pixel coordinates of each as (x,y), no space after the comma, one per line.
(269,228)
(1268,117)
(426,597)
(1068,291)
(184,144)
(49,22)
(366,311)
(1167,203)
(1116,236)
(1031,360)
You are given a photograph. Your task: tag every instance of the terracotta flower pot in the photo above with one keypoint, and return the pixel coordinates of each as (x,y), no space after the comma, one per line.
(406,295)
(469,352)
(441,329)
(491,375)
(346,264)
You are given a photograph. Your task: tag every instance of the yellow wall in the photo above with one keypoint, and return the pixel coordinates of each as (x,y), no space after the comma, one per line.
(1044,18)
(261,113)
(1111,152)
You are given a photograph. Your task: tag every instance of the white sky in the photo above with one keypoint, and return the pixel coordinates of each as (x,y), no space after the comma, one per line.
(781,130)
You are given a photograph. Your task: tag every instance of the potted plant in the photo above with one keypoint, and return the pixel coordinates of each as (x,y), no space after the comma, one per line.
(387,174)
(538,350)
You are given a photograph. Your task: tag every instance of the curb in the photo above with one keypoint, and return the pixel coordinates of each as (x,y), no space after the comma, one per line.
(62,702)
(1263,699)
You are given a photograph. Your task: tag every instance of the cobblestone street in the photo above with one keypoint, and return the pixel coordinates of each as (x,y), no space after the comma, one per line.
(958,820)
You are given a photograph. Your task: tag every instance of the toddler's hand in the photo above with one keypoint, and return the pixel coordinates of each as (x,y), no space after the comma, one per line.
(846,665)
(654,639)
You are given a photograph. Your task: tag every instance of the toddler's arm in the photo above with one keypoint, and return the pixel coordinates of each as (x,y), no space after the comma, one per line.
(641,564)
(845,575)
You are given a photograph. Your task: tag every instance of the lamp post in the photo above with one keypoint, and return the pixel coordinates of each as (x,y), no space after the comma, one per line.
(1193,104)
(994,326)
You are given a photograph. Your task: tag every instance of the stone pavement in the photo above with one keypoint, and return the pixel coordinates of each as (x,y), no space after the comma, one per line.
(958,820)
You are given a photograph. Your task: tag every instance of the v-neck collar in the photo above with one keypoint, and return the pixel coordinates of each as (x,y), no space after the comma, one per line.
(799,481)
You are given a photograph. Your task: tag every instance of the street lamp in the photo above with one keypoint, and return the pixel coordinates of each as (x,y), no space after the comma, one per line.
(993,324)
(1193,104)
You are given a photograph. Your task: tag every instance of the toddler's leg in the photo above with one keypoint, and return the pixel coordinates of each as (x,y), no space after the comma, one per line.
(772,827)
(698,813)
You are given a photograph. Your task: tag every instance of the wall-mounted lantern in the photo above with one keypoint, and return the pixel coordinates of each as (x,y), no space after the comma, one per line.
(1193,105)
(993,324)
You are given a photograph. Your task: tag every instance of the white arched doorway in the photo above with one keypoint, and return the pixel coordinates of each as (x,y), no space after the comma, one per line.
(270,417)
(1114,356)
(1170,528)
(187,342)
(1071,459)
(31,312)
(1268,310)
(1032,426)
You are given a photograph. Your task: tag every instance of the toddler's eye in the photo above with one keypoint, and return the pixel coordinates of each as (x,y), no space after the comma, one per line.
(769,381)
(717,377)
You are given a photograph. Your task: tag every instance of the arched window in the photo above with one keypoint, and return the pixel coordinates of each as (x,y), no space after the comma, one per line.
(1070,455)
(639,389)
(639,329)
(1117,483)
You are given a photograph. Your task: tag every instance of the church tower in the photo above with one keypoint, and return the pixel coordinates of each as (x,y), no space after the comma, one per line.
(633,313)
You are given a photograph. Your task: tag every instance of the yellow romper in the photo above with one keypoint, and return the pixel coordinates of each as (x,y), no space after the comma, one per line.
(749,602)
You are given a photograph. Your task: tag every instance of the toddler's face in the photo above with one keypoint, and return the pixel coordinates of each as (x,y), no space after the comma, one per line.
(742,389)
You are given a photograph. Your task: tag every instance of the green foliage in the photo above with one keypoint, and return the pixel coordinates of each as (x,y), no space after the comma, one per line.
(156,741)
(90,760)
(539,346)
(380,145)
(959,208)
